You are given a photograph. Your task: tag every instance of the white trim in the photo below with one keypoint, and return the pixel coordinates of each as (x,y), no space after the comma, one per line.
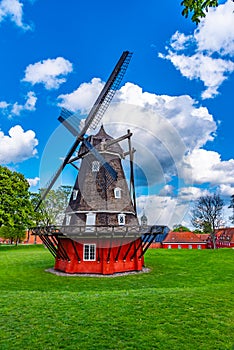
(117,192)
(95,166)
(67,219)
(90,221)
(91,252)
(74,194)
(121,219)
(100,211)
(105,152)
(173,243)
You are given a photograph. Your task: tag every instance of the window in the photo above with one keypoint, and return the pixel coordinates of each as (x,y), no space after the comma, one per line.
(179,246)
(199,246)
(169,246)
(121,219)
(74,194)
(89,252)
(117,192)
(95,166)
(90,221)
(67,219)
(190,246)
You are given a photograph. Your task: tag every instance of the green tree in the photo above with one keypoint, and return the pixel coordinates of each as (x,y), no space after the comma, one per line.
(51,210)
(13,234)
(208,213)
(16,209)
(231,218)
(180,228)
(197,8)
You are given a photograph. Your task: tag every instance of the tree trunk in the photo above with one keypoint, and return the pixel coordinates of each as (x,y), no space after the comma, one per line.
(213,240)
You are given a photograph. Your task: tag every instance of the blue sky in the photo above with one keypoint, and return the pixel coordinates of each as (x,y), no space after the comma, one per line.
(176,96)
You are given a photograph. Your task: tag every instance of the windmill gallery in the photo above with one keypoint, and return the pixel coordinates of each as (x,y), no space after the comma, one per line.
(100,232)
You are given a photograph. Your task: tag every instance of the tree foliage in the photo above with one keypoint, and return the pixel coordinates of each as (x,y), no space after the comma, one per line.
(207,214)
(13,234)
(181,228)
(16,210)
(51,210)
(197,8)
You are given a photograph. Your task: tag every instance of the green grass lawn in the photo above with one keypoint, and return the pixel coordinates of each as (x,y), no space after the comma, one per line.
(185,302)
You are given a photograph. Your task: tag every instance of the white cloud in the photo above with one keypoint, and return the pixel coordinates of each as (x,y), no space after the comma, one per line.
(207,167)
(13,9)
(226,190)
(162,210)
(166,190)
(33,182)
(83,97)
(18,146)
(211,71)
(215,33)
(191,123)
(206,55)
(51,72)
(191,193)
(16,109)
(164,127)
(3,104)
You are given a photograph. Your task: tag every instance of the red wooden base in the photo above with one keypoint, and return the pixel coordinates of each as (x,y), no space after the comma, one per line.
(118,255)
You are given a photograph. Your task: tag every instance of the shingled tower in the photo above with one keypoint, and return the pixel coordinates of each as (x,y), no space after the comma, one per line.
(96,199)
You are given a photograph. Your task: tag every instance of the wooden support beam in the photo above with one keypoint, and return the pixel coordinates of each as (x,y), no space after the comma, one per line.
(44,240)
(128,250)
(136,249)
(109,250)
(64,250)
(146,246)
(76,252)
(119,139)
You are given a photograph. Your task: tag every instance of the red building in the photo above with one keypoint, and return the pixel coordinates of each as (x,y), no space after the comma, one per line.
(224,238)
(183,240)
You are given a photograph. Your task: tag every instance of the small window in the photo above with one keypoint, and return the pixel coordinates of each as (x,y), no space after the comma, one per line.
(190,246)
(169,246)
(95,166)
(121,219)
(74,194)
(67,219)
(89,252)
(199,246)
(179,246)
(117,192)
(90,221)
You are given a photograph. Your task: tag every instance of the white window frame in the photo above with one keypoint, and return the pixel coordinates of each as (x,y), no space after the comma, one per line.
(74,194)
(67,220)
(95,166)
(179,246)
(190,246)
(169,246)
(121,219)
(117,192)
(89,252)
(90,221)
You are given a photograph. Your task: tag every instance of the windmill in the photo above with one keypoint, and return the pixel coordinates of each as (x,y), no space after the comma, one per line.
(100,232)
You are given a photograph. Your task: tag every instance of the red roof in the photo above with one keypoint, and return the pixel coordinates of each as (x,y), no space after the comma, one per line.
(203,236)
(182,237)
(227,232)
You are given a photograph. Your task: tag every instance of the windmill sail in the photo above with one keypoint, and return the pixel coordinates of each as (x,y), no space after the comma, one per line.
(96,113)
